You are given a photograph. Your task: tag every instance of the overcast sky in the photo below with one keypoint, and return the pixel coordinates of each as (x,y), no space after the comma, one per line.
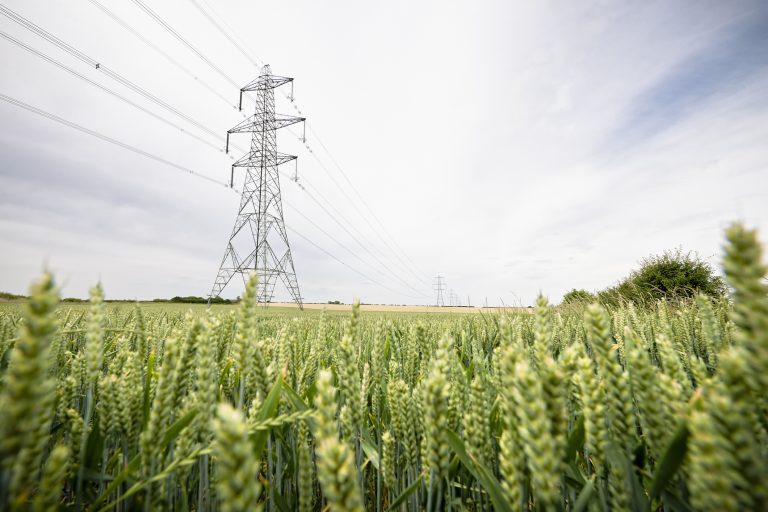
(510,146)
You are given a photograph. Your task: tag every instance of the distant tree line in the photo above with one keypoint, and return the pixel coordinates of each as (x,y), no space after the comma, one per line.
(192,299)
(11,296)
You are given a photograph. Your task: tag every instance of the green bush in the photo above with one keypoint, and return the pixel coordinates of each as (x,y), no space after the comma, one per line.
(672,275)
(576,296)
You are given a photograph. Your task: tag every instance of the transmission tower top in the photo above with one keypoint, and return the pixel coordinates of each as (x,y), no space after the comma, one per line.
(265,81)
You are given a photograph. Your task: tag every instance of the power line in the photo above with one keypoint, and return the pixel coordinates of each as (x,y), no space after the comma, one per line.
(363,246)
(329,204)
(365,203)
(223,32)
(152,14)
(319,228)
(81,56)
(104,69)
(293,230)
(66,68)
(322,165)
(357,192)
(242,51)
(93,62)
(351,201)
(343,227)
(160,51)
(105,138)
(163,23)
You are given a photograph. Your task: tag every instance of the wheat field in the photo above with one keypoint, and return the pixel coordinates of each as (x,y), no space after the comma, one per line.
(129,408)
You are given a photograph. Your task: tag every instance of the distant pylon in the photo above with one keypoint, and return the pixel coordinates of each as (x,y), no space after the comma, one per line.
(259,240)
(440,288)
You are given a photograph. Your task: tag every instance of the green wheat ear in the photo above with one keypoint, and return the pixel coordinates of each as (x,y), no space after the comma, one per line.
(710,330)
(306,491)
(26,402)
(746,273)
(94,335)
(236,467)
(336,469)
(388,459)
(245,338)
(477,429)
(535,430)
(593,409)
(618,397)
(714,475)
(48,498)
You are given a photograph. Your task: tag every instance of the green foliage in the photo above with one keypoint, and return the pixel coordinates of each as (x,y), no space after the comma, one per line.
(578,296)
(590,408)
(11,296)
(672,276)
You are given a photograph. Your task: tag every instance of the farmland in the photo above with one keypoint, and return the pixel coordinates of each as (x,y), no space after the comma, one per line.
(120,407)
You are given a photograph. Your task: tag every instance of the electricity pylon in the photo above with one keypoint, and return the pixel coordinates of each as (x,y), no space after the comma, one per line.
(259,240)
(439,288)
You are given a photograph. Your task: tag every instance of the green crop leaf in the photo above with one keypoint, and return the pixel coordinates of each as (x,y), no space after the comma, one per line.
(480,472)
(405,494)
(585,496)
(671,461)
(133,465)
(638,499)
(268,410)
(575,440)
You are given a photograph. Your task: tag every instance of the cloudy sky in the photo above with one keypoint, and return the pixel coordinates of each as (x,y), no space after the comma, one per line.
(512,147)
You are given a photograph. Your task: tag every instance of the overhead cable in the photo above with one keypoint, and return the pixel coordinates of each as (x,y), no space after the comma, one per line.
(101,67)
(160,51)
(360,196)
(224,32)
(71,71)
(152,14)
(105,138)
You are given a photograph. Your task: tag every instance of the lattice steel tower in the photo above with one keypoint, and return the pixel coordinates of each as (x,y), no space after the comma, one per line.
(259,241)
(440,288)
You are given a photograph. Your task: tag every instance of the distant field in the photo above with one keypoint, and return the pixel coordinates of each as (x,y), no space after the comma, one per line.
(387,308)
(282,308)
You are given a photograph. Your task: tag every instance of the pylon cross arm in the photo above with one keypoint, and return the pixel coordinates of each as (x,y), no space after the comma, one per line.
(250,161)
(252,124)
(267,82)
